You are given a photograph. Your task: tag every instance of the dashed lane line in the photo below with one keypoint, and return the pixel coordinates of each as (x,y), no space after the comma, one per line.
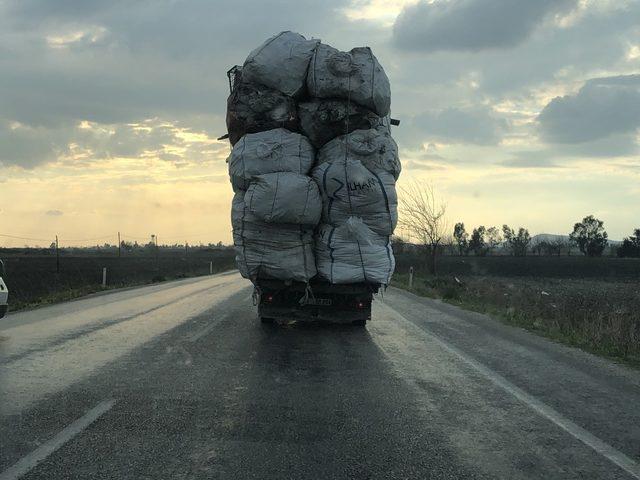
(194,337)
(28,462)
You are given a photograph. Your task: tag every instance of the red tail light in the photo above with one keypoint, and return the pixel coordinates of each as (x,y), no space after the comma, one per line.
(360,304)
(268,298)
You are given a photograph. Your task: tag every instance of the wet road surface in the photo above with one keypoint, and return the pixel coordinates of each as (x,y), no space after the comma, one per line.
(180,380)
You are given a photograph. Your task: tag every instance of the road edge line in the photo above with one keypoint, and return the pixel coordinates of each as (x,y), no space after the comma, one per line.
(612,454)
(31,460)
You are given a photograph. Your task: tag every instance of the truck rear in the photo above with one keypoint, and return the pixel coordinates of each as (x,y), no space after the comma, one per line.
(313,167)
(280,300)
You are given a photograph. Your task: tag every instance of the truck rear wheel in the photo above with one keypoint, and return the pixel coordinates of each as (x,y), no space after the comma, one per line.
(266,320)
(359,323)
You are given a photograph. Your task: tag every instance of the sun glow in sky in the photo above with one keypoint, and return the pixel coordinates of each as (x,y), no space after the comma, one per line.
(518,112)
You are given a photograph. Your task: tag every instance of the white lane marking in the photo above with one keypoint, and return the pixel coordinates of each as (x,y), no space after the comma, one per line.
(213,323)
(28,462)
(603,448)
(27,379)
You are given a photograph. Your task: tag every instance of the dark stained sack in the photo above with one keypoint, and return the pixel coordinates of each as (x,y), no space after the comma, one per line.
(253,108)
(322,120)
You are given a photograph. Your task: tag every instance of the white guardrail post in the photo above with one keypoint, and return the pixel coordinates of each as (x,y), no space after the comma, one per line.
(104,277)
(210,268)
(410,277)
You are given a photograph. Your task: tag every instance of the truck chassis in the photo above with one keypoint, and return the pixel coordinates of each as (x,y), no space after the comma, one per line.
(319,301)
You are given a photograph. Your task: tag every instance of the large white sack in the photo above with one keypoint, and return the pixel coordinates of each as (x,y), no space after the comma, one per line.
(375,148)
(281,62)
(322,120)
(277,150)
(283,252)
(355,75)
(351,253)
(284,197)
(349,188)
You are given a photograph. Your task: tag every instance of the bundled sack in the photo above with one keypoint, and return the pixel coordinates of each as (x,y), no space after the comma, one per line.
(277,150)
(283,252)
(284,197)
(375,148)
(281,62)
(253,108)
(349,188)
(352,253)
(322,120)
(356,75)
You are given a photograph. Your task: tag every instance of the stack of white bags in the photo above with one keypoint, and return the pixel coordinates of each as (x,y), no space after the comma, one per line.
(313,164)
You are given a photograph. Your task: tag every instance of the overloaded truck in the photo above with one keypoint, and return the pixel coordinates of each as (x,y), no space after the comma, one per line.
(313,167)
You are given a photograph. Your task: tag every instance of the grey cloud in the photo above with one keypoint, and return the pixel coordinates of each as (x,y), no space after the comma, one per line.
(152,59)
(551,54)
(166,59)
(27,147)
(562,155)
(171,157)
(128,141)
(157,59)
(616,145)
(413,165)
(531,159)
(54,213)
(471,25)
(477,125)
(602,107)
(39,10)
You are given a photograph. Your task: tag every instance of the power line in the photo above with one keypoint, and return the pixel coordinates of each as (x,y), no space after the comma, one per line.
(123,236)
(27,238)
(114,235)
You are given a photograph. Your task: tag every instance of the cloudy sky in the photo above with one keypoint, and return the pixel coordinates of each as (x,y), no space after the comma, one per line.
(520,112)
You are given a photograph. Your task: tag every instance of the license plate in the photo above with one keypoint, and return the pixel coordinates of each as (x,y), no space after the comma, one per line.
(319,301)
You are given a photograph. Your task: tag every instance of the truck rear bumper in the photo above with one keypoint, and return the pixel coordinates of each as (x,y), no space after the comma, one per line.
(319,301)
(308,313)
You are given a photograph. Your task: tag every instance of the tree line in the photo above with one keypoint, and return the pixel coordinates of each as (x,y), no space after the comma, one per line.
(424,218)
(484,241)
(588,235)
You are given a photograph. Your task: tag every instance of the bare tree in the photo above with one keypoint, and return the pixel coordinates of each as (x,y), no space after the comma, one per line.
(422,213)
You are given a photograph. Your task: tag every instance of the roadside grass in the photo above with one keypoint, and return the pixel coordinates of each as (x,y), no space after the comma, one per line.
(67,294)
(33,280)
(599,316)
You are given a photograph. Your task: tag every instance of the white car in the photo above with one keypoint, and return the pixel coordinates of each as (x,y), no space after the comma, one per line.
(4,292)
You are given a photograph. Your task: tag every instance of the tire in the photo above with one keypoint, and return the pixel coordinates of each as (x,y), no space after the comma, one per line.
(267,320)
(359,323)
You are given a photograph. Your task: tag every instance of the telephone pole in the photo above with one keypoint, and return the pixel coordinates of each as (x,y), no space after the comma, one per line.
(57,256)
(157,253)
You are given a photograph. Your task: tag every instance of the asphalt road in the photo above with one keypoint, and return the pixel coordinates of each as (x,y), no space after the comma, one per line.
(179,380)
